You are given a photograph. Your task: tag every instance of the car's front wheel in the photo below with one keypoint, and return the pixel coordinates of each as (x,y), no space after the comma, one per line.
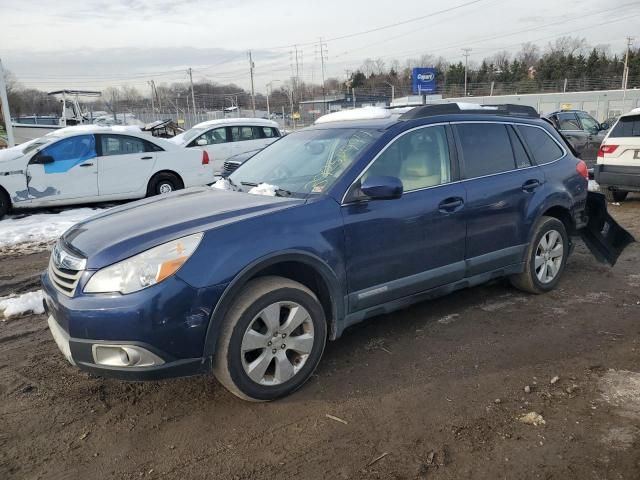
(5,203)
(272,340)
(546,257)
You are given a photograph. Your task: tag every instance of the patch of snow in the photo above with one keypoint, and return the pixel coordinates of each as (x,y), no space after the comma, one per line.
(222,184)
(593,186)
(19,305)
(621,389)
(39,229)
(475,106)
(365,113)
(264,189)
(447,319)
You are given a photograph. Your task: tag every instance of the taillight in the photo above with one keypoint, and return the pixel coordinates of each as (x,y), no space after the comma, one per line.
(205,157)
(581,168)
(606,149)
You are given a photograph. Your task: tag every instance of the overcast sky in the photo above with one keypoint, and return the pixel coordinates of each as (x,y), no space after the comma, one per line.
(96,43)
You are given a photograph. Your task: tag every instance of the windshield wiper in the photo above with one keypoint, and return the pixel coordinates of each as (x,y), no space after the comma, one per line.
(249,184)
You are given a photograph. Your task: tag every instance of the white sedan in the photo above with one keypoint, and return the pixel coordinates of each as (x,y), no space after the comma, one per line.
(87,164)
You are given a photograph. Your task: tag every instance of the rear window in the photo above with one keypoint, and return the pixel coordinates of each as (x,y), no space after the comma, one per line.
(541,145)
(486,149)
(626,127)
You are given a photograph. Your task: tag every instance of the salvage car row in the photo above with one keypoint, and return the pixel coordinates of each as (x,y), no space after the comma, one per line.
(88,163)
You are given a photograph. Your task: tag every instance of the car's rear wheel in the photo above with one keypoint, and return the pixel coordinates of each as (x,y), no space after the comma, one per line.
(615,195)
(164,182)
(546,257)
(272,340)
(5,203)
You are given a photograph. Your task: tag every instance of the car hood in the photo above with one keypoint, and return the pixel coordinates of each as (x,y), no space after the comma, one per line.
(127,230)
(10,154)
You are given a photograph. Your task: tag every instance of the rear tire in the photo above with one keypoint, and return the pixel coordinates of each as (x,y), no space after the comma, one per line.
(546,257)
(272,340)
(5,203)
(615,195)
(164,182)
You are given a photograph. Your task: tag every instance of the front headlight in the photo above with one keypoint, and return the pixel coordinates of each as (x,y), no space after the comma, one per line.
(145,269)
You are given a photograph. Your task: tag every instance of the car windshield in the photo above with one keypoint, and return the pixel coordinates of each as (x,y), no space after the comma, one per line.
(37,143)
(192,133)
(305,162)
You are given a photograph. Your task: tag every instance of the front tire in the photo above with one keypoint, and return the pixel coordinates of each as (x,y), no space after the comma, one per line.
(546,257)
(272,340)
(615,195)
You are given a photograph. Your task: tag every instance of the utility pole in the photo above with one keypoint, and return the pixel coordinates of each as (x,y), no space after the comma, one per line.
(193,96)
(323,57)
(625,73)
(6,113)
(466,66)
(253,93)
(153,103)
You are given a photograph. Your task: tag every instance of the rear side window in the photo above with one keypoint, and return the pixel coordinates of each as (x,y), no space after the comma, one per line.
(541,145)
(242,134)
(125,145)
(522,159)
(269,132)
(626,127)
(486,149)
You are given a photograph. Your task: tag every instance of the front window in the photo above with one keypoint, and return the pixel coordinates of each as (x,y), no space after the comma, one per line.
(305,162)
(588,122)
(191,134)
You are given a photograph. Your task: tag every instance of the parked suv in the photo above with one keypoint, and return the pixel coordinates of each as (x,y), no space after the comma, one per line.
(618,168)
(227,137)
(583,131)
(368,213)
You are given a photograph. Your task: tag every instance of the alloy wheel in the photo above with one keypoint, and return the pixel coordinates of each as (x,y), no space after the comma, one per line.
(549,256)
(277,343)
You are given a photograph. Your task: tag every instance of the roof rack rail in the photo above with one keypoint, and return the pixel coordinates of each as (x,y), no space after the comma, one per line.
(507,109)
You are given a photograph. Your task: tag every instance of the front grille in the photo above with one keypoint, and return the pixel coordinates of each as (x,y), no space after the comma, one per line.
(230,167)
(65,281)
(65,270)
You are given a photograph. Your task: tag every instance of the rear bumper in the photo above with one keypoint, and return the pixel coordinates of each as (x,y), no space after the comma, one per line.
(620,177)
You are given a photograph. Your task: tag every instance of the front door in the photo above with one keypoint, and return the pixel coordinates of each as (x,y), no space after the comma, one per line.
(500,183)
(125,164)
(64,170)
(595,136)
(217,143)
(571,128)
(396,248)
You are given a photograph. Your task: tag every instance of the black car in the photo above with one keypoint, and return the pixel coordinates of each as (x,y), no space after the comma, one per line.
(235,161)
(583,131)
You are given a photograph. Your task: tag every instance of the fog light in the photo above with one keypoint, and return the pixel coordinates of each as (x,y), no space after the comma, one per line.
(124,356)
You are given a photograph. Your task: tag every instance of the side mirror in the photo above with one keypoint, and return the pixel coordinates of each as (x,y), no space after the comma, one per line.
(604,126)
(201,142)
(42,159)
(382,188)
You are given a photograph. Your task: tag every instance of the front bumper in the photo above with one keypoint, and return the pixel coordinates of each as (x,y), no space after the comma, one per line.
(166,323)
(621,177)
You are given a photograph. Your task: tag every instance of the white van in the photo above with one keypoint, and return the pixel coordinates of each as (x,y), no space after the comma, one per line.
(618,168)
(227,137)
(87,163)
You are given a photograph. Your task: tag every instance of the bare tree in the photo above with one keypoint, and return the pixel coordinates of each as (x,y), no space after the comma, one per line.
(529,54)
(567,45)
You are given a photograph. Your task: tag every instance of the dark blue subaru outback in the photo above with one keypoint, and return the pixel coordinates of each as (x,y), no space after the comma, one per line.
(369,211)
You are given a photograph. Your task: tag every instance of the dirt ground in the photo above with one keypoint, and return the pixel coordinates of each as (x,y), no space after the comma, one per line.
(435,391)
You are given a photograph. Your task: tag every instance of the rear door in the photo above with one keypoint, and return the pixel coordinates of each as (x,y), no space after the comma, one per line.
(125,164)
(70,171)
(501,184)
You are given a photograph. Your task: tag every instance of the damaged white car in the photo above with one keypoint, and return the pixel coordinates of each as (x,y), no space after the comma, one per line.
(95,164)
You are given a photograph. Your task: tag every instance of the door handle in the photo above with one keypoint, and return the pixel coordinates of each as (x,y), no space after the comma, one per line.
(531,185)
(86,164)
(450,204)
(146,158)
